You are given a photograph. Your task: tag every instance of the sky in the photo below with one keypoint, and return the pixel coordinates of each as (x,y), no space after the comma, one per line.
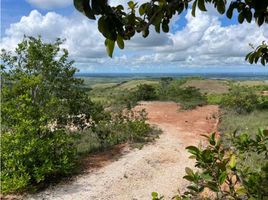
(208,42)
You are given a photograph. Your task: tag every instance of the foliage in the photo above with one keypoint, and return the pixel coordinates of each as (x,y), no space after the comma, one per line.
(125,126)
(145,92)
(215,99)
(118,24)
(191,97)
(261,52)
(40,98)
(29,158)
(221,171)
(241,99)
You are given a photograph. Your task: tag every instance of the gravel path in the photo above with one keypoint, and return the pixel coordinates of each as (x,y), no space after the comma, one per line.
(156,167)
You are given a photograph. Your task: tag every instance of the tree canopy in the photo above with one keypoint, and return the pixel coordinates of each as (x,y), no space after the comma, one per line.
(118,23)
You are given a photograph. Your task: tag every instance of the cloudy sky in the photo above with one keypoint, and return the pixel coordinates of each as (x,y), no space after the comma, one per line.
(208,42)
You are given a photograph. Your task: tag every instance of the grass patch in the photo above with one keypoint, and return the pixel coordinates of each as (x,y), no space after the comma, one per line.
(250,122)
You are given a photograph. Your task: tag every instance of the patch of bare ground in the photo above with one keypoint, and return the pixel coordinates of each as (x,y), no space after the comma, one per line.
(134,174)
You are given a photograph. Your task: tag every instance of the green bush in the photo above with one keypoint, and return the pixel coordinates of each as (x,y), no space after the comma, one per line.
(215,99)
(241,99)
(40,98)
(145,92)
(222,171)
(124,127)
(190,97)
(29,158)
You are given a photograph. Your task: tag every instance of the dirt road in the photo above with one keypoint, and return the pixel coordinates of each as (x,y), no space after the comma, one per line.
(156,167)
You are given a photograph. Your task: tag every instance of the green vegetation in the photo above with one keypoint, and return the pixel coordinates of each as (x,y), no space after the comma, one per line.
(39,98)
(241,99)
(223,171)
(43,107)
(118,23)
(232,121)
(127,94)
(51,118)
(125,126)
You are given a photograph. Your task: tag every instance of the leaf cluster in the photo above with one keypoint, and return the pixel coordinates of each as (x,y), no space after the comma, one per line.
(118,24)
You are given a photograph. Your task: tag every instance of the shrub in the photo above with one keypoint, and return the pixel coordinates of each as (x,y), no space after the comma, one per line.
(215,99)
(190,97)
(29,158)
(222,171)
(40,99)
(123,127)
(145,92)
(241,99)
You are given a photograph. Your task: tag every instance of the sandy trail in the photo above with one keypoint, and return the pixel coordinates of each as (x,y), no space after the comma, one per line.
(156,167)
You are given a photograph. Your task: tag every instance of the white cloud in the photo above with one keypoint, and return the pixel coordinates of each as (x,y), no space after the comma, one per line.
(204,41)
(50,4)
(82,37)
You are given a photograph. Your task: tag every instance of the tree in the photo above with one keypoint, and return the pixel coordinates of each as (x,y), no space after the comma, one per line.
(39,97)
(117,25)
(41,75)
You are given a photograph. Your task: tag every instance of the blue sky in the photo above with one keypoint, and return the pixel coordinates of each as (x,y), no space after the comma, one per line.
(208,42)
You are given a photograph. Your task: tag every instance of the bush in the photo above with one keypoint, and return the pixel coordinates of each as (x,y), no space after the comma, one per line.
(222,171)
(29,158)
(190,97)
(241,99)
(145,92)
(40,99)
(123,127)
(215,99)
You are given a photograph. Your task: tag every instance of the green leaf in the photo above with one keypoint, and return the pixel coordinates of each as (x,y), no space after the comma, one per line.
(222,177)
(157,28)
(241,191)
(192,187)
(260,19)
(241,17)
(230,10)
(189,178)
(78,4)
(194,8)
(189,171)
(154,194)
(248,16)
(109,47)
(193,150)
(213,186)
(201,5)
(263,61)
(221,6)
(120,42)
(212,139)
(145,33)
(232,162)
(142,9)
(131,4)
(83,6)
(165,27)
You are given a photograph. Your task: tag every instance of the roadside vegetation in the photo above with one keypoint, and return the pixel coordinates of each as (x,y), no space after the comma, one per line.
(47,116)
(51,119)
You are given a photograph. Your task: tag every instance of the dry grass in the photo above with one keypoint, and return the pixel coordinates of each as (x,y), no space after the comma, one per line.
(252,83)
(209,86)
(134,83)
